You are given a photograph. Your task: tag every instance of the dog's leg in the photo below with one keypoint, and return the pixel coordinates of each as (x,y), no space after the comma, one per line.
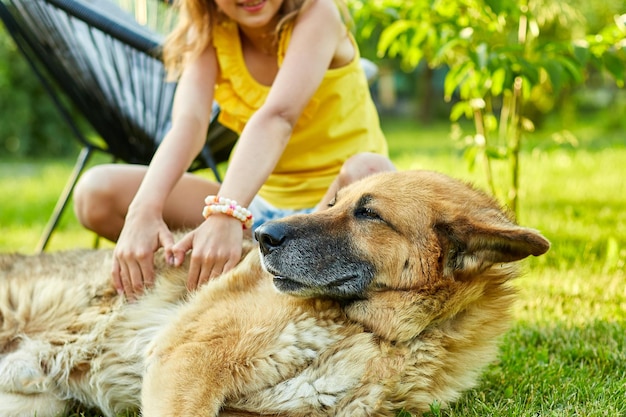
(39,405)
(364,402)
(24,385)
(21,371)
(218,355)
(173,387)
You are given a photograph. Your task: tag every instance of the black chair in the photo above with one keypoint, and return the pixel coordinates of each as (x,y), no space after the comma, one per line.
(109,66)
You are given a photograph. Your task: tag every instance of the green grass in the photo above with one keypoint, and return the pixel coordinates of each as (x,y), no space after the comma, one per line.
(566,352)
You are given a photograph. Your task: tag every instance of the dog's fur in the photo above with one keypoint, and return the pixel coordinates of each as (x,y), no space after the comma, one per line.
(391,299)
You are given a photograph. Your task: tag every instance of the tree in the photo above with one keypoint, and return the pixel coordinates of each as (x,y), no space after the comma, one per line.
(505,58)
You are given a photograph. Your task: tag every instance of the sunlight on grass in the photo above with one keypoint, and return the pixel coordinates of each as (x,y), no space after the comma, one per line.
(32,190)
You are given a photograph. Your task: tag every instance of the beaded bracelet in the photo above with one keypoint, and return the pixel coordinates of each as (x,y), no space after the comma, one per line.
(217,204)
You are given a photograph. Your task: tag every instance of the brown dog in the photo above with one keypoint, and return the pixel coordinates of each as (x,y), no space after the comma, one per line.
(391,299)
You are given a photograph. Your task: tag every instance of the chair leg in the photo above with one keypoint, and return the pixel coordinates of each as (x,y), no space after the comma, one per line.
(81,161)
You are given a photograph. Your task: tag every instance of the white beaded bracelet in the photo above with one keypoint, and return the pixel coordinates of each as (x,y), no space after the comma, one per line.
(217,204)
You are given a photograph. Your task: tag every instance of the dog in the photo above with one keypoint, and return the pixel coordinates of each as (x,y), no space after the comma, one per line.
(392,298)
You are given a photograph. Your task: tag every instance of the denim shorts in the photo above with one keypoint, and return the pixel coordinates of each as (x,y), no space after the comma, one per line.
(264,211)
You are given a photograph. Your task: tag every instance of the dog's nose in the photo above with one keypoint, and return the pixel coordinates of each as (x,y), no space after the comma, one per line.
(270,236)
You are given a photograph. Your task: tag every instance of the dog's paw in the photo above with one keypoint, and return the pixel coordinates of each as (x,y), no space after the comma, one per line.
(26,405)
(22,373)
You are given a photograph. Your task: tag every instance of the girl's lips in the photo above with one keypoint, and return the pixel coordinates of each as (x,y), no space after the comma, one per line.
(252,6)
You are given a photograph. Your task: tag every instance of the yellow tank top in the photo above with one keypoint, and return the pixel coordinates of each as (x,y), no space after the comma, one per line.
(339,121)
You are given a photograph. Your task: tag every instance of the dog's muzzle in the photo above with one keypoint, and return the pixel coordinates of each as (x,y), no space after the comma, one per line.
(307,260)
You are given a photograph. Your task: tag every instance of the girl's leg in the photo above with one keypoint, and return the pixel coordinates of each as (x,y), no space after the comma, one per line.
(104,192)
(355,168)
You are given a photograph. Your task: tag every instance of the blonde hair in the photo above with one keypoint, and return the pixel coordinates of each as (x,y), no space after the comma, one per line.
(192,33)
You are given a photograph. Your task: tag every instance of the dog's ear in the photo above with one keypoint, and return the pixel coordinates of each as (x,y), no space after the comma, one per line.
(471,246)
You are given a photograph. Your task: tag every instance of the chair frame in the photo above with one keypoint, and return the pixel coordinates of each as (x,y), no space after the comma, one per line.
(142,40)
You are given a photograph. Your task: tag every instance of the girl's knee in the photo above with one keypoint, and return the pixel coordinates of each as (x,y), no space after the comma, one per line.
(93,196)
(362,165)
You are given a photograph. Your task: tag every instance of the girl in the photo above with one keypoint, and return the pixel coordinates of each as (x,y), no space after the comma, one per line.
(287,77)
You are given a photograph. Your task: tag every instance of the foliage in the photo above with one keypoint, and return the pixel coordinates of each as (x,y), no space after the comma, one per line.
(509,62)
(30,124)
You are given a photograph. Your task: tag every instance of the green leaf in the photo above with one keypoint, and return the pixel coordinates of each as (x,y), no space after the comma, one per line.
(459,109)
(414,53)
(581,54)
(495,5)
(529,71)
(555,73)
(455,77)
(470,155)
(491,122)
(572,67)
(412,58)
(615,66)
(390,35)
(445,48)
(496,153)
(497,81)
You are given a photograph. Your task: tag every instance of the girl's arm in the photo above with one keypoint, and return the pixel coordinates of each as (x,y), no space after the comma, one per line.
(144,229)
(317,34)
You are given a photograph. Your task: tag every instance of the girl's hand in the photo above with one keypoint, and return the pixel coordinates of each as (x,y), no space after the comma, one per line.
(133,257)
(216,247)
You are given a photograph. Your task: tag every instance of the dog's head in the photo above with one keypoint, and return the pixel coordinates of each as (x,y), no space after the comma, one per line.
(393,231)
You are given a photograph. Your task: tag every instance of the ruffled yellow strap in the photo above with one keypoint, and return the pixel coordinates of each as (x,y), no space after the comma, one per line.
(237,92)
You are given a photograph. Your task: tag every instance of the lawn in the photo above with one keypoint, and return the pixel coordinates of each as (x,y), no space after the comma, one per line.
(566,352)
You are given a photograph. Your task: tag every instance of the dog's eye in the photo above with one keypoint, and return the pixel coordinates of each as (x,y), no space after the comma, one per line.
(332,202)
(366,213)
